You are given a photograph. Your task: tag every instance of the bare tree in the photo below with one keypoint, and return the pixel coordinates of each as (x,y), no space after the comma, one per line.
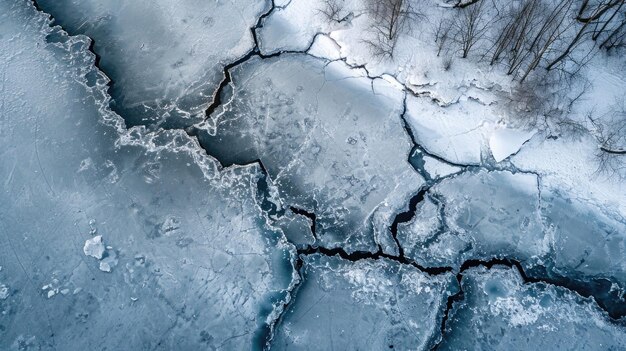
(612,32)
(616,37)
(334,10)
(442,33)
(591,11)
(610,132)
(470,24)
(546,100)
(390,19)
(550,32)
(588,16)
(513,38)
(604,25)
(465,3)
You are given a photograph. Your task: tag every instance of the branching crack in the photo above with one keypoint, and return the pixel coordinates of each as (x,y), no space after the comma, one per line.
(365,255)
(402,217)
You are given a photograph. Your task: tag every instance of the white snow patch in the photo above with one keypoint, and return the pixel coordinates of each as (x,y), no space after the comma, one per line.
(572,168)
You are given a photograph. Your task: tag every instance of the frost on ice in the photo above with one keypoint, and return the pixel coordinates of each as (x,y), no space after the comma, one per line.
(501,312)
(165,58)
(368,304)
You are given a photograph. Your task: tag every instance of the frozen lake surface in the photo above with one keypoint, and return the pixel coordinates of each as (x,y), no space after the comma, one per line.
(236,175)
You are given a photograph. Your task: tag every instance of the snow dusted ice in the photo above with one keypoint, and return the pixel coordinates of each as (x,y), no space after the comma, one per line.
(234,175)
(197,265)
(386,302)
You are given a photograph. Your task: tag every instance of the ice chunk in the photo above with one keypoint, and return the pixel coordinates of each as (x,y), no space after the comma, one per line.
(500,312)
(504,141)
(213,273)
(108,262)
(438,169)
(94,247)
(4,292)
(331,140)
(165,58)
(325,47)
(364,305)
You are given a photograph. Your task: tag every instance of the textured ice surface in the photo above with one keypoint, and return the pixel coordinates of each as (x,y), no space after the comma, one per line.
(116,238)
(331,140)
(297,228)
(364,305)
(587,242)
(438,169)
(500,312)
(414,236)
(487,214)
(184,234)
(483,215)
(165,58)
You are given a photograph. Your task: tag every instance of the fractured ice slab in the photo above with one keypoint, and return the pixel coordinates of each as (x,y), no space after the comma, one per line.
(197,265)
(486,214)
(457,132)
(165,57)
(364,305)
(438,169)
(504,142)
(499,312)
(331,140)
(294,26)
(325,47)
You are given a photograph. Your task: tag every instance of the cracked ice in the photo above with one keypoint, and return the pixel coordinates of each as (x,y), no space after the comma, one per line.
(227,176)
